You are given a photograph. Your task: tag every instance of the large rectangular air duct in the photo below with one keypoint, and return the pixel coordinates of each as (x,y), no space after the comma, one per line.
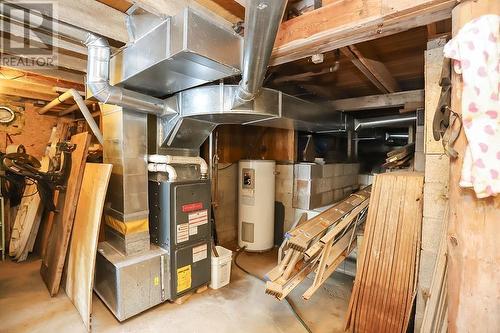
(180,52)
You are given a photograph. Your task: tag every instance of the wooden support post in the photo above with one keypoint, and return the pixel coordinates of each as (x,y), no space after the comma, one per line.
(474,259)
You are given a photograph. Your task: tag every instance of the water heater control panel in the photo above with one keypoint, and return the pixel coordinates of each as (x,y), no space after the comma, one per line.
(248,178)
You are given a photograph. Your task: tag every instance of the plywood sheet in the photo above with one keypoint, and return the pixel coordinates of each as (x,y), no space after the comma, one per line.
(83,247)
(57,245)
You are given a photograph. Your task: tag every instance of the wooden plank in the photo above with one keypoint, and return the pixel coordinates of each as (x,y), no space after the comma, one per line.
(233,7)
(473,228)
(372,68)
(345,23)
(385,285)
(83,248)
(238,142)
(90,15)
(121,5)
(53,261)
(378,101)
(435,301)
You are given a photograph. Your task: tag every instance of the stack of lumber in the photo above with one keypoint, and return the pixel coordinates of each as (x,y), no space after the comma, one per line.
(400,158)
(59,232)
(386,282)
(318,246)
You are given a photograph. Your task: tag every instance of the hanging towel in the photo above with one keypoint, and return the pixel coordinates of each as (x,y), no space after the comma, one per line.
(475,51)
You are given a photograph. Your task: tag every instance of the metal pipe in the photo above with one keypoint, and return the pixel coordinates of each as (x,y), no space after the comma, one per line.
(73,93)
(159,167)
(172,159)
(75,107)
(99,54)
(388,121)
(262,20)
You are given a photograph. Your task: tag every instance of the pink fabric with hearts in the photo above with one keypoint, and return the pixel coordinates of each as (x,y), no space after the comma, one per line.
(475,51)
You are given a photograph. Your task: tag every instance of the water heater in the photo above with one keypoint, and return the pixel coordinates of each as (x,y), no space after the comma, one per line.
(256,204)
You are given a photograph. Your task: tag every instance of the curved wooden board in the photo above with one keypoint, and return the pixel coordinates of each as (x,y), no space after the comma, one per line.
(83,247)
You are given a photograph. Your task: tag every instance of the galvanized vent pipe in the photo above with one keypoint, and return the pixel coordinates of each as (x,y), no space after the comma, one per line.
(388,121)
(99,54)
(262,20)
(73,93)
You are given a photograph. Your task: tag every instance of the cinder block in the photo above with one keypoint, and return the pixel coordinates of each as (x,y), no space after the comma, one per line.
(338,169)
(284,185)
(284,171)
(426,269)
(286,200)
(419,161)
(435,200)
(365,179)
(437,168)
(419,141)
(350,169)
(338,194)
(312,201)
(307,171)
(431,234)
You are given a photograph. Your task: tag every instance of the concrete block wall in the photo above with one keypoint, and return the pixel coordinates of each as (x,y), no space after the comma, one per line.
(319,185)
(437,166)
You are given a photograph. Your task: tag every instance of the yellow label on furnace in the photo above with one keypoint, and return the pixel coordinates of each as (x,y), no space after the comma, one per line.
(156,280)
(183,278)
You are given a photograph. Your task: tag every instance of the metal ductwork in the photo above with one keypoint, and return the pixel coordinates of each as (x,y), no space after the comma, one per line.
(389,121)
(99,54)
(262,20)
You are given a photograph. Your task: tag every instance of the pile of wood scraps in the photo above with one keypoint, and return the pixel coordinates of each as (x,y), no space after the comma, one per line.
(318,246)
(399,158)
(60,231)
(386,282)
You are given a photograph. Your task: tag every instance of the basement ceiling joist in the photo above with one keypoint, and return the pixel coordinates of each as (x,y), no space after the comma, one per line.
(379,101)
(344,23)
(92,16)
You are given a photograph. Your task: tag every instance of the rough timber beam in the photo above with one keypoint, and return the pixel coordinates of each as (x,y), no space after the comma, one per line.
(345,23)
(379,101)
(90,15)
(372,68)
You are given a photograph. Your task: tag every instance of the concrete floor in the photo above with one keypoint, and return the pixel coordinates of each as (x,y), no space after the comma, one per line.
(242,306)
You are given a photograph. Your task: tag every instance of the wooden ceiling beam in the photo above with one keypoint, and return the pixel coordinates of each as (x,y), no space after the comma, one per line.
(173,7)
(372,68)
(344,23)
(233,7)
(26,76)
(92,16)
(384,101)
(121,5)
(51,72)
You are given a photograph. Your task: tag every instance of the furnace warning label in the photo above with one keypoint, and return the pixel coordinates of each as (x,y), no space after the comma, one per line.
(182,232)
(198,218)
(199,252)
(183,278)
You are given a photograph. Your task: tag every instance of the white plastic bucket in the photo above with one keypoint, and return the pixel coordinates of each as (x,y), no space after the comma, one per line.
(221,268)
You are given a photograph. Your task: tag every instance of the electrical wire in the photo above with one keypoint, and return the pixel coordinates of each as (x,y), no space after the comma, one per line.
(223,168)
(289,302)
(32,182)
